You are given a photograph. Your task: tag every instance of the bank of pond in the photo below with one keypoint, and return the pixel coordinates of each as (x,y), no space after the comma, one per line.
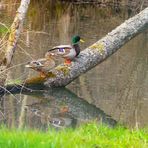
(88,135)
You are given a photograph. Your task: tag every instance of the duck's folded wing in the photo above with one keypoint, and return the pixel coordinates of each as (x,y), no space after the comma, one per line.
(60,50)
(60,47)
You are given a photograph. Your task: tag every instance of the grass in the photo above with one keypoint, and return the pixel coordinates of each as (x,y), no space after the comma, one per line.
(86,136)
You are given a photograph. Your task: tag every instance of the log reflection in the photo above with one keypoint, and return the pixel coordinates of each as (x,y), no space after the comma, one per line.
(58,108)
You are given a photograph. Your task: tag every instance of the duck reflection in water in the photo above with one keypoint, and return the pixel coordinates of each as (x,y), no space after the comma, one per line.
(59,108)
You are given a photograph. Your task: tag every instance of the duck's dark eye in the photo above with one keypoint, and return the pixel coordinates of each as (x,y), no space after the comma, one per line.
(33,62)
(37,63)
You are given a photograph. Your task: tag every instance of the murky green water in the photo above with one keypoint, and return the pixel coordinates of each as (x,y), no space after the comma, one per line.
(114,91)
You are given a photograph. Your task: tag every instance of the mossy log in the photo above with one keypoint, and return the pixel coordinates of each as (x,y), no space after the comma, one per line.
(96,53)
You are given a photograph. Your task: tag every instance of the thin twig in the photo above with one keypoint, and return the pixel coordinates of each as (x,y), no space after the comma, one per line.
(28,54)
(4,25)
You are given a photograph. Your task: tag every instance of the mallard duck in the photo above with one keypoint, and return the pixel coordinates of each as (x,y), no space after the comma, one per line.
(68,52)
(60,122)
(42,65)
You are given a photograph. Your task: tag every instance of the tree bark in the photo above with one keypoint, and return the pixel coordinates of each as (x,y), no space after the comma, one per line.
(14,34)
(96,53)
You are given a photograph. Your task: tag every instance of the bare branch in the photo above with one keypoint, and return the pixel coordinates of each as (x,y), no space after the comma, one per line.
(15,31)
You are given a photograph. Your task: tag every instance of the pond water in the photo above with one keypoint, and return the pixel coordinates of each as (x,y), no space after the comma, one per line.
(113,92)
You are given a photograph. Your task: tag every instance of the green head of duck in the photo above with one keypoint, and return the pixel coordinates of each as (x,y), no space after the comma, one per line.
(76,39)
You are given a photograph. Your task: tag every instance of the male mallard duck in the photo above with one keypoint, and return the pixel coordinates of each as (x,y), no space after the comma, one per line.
(42,65)
(68,52)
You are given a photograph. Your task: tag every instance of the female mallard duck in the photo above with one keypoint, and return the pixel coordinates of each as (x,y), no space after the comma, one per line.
(68,52)
(42,65)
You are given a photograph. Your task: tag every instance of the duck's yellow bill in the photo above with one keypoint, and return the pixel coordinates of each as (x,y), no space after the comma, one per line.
(82,41)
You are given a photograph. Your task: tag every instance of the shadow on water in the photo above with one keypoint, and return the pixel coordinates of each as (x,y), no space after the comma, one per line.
(57,108)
